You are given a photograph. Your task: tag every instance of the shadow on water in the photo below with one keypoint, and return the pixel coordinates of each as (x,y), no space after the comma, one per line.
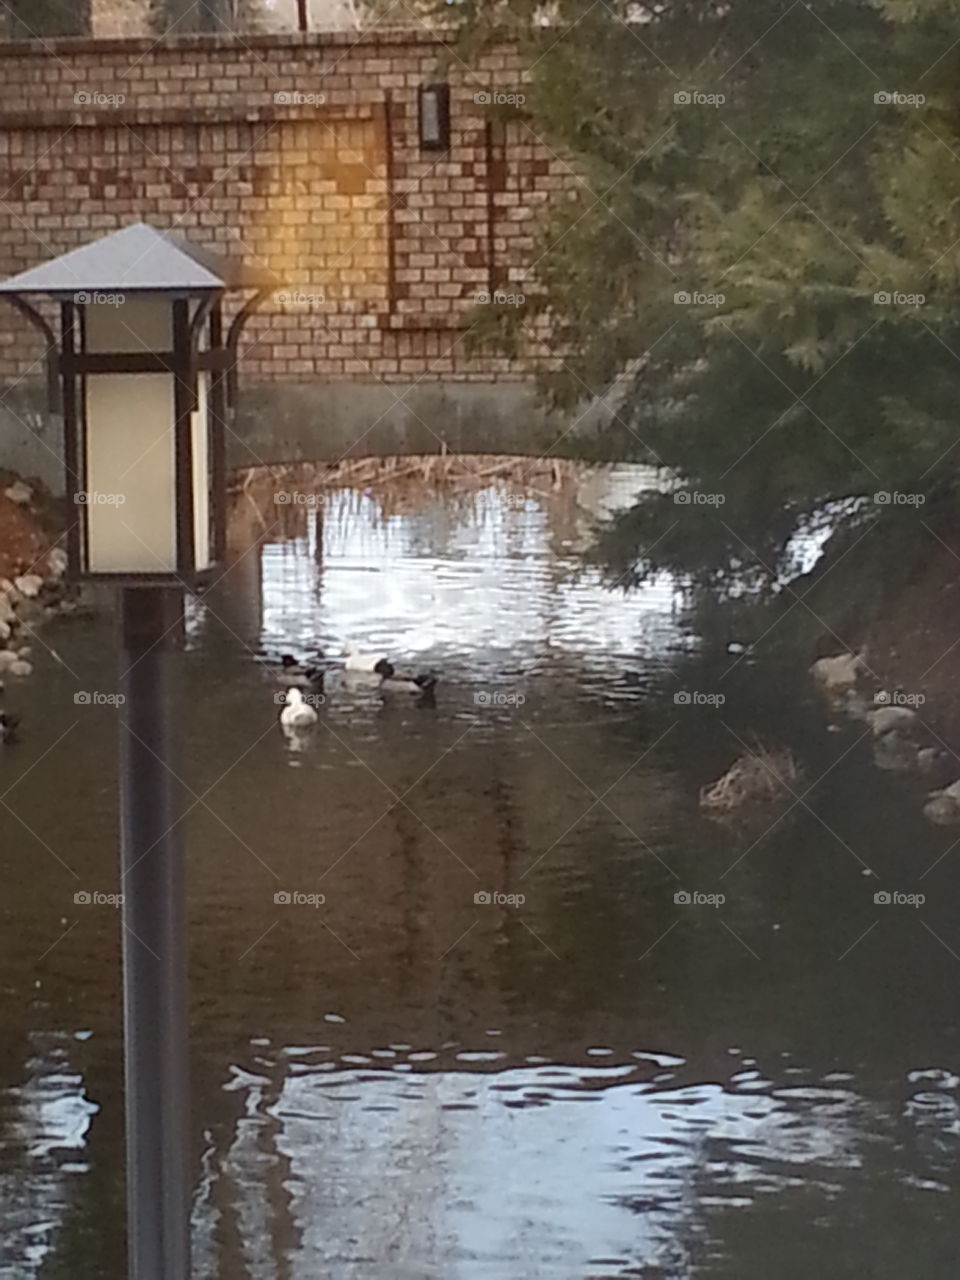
(500,1047)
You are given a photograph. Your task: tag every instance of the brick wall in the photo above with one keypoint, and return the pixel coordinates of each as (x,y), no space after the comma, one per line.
(301,152)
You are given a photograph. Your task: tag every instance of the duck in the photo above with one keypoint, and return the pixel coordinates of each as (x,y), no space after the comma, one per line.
(296,674)
(370,663)
(422,684)
(8,727)
(297,713)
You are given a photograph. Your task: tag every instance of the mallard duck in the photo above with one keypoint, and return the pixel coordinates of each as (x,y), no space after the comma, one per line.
(296,713)
(421,684)
(8,727)
(368,663)
(294,674)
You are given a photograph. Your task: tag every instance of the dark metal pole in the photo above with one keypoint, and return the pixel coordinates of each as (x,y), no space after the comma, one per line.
(155,1015)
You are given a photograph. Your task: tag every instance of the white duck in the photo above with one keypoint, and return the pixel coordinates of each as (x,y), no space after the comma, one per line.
(367,663)
(296,712)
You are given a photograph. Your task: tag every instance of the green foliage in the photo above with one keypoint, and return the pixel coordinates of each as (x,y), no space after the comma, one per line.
(793,206)
(29,19)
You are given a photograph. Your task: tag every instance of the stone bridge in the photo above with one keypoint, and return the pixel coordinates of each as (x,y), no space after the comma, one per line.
(390,216)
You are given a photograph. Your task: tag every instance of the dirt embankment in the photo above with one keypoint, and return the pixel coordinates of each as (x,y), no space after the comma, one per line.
(914,645)
(31,520)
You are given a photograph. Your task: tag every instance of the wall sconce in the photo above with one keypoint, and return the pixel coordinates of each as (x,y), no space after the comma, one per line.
(434,117)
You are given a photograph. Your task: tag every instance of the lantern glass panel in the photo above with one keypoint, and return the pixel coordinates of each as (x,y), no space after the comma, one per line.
(130,474)
(128,324)
(200,437)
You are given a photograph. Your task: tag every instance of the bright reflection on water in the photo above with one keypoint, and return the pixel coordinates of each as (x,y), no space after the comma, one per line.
(408,1084)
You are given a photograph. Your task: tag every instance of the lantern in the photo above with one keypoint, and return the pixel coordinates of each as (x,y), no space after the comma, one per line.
(145,380)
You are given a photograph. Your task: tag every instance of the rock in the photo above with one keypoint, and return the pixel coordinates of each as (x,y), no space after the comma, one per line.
(7,659)
(953,791)
(20,668)
(942,810)
(928,758)
(893,752)
(4,630)
(890,719)
(29,585)
(19,493)
(57,563)
(839,672)
(7,611)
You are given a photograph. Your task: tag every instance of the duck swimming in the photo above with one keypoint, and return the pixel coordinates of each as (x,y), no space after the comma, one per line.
(296,713)
(422,684)
(296,674)
(369,663)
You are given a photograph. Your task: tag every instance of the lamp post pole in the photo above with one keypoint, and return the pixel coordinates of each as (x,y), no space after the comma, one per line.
(155,1010)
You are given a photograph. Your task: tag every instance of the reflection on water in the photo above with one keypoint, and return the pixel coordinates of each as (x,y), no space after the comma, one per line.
(583,1082)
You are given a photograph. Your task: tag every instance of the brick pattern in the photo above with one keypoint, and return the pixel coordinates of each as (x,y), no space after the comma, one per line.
(299,152)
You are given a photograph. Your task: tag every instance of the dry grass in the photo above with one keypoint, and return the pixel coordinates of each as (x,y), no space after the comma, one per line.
(757,783)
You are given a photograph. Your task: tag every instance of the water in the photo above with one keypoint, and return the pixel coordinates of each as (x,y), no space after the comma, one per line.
(595,1082)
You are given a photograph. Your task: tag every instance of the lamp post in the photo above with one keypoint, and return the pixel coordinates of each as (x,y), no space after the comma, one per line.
(145,380)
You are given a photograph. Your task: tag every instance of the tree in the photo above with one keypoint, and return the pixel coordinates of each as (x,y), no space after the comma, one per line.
(765,194)
(187,17)
(29,19)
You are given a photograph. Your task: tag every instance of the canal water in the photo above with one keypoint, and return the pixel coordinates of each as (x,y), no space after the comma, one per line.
(547,1023)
